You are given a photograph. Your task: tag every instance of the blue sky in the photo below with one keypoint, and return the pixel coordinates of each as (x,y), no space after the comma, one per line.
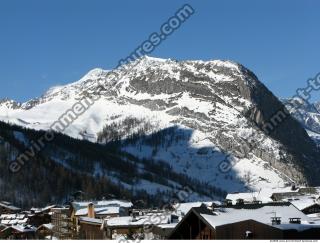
(54,42)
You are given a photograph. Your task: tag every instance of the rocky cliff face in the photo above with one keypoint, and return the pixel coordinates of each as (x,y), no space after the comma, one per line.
(220,107)
(307,114)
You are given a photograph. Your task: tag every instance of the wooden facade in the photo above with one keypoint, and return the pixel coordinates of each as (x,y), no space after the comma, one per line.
(313,234)
(279,196)
(91,231)
(10,233)
(161,233)
(63,227)
(123,230)
(194,226)
(44,232)
(38,219)
(248,229)
(315,208)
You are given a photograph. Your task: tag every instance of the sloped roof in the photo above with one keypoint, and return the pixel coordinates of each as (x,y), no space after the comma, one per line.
(23,228)
(91,220)
(249,197)
(46,226)
(282,195)
(9,206)
(149,219)
(100,207)
(260,214)
(167,226)
(116,203)
(40,210)
(98,211)
(183,208)
(302,202)
(9,219)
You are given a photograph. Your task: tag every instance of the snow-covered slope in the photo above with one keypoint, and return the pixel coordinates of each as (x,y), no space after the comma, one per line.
(308,114)
(212,109)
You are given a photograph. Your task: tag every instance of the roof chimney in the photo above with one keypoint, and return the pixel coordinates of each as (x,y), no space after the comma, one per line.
(91,213)
(228,202)
(240,201)
(275,220)
(295,220)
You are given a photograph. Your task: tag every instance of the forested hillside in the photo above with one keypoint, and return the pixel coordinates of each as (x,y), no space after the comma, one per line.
(67,165)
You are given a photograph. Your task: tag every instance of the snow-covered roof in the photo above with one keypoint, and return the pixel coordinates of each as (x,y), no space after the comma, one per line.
(13,221)
(183,208)
(23,228)
(314,216)
(149,219)
(40,210)
(8,216)
(249,197)
(298,227)
(47,226)
(302,202)
(22,221)
(91,220)
(115,203)
(5,202)
(10,219)
(262,214)
(264,194)
(99,211)
(167,226)
(125,221)
(5,221)
(48,207)
(9,206)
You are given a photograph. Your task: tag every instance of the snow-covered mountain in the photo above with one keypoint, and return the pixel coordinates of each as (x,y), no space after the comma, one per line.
(188,114)
(308,114)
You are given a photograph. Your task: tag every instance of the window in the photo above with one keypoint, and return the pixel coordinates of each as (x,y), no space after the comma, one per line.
(249,235)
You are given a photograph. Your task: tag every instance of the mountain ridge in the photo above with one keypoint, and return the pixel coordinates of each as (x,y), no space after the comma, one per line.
(217,105)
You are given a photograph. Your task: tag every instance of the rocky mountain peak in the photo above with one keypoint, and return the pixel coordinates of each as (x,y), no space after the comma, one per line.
(220,106)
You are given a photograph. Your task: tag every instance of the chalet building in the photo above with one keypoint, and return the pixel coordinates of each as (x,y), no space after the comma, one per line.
(2,231)
(309,190)
(91,229)
(246,221)
(102,209)
(2,226)
(311,209)
(128,226)
(89,217)
(247,197)
(63,228)
(45,232)
(8,208)
(24,225)
(162,231)
(97,209)
(280,196)
(137,227)
(40,216)
(306,199)
(18,232)
(101,212)
(306,204)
